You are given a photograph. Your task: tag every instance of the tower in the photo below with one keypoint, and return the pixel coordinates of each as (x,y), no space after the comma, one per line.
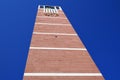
(56,52)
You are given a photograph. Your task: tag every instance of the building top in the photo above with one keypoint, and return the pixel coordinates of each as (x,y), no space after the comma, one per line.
(48,6)
(50,10)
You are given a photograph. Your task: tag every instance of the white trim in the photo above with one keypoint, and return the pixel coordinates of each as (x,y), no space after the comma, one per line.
(51,17)
(53,24)
(43,9)
(63,74)
(60,8)
(56,9)
(65,34)
(48,10)
(39,7)
(51,11)
(51,48)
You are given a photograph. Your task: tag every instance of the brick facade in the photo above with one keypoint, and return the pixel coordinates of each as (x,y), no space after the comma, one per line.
(58,60)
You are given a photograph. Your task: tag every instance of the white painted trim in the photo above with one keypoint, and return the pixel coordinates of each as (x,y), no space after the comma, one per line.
(53,24)
(54,12)
(63,74)
(64,34)
(49,10)
(52,48)
(60,8)
(56,9)
(43,9)
(39,7)
(51,17)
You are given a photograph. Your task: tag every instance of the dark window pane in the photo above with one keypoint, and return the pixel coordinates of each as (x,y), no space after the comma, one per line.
(57,7)
(49,7)
(41,6)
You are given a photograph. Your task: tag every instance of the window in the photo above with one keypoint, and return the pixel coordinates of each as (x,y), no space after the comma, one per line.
(50,11)
(57,7)
(51,7)
(41,6)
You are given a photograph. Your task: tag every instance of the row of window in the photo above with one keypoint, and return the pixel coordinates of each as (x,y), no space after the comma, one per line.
(51,7)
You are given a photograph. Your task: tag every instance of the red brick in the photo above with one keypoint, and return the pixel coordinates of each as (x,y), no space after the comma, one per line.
(54,29)
(39,40)
(60,61)
(52,20)
(42,14)
(47,61)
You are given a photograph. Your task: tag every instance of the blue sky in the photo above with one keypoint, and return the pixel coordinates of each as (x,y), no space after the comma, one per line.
(96,21)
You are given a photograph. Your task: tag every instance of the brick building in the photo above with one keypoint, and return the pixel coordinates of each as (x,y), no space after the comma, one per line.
(56,51)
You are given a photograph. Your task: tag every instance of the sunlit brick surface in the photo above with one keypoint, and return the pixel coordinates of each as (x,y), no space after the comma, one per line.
(52,20)
(58,61)
(56,41)
(53,29)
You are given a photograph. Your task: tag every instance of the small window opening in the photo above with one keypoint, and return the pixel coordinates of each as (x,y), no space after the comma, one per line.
(41,6)
(50,11)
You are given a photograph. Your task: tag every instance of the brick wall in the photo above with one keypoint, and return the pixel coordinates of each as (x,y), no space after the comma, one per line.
(56,48)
